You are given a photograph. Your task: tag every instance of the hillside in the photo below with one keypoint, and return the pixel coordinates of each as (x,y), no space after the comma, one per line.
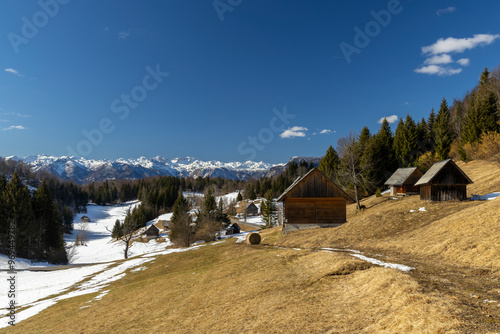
(288,284)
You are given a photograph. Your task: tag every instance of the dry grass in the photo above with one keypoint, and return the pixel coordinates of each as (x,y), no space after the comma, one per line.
(234,288)
(465,233)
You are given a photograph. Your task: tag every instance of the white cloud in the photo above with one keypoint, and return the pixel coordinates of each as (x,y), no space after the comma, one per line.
(391,119)
(446,10)
(325,132)
(13,71)
(14,127)
(438,59)
(123,34)
(296,131)
(458,45)
(16,114)
(438,70)
(464,61)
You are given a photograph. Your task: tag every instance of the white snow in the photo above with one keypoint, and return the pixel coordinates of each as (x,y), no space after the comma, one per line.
(100,247)
(487,197)
(388,190)
(33,286)
(400,267)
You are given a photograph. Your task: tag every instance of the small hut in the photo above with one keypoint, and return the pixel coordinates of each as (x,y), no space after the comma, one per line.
(85,219)
(444,181)
(252,210)
(152,232)
(166,224)
(313,201)
(402,182)
(233,229)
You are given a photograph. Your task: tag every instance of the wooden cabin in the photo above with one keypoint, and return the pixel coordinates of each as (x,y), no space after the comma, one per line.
(252,210)
(313,201)
(85,219)
(166,224)
(444,181)
(402,182)
(152,232)
(233,229)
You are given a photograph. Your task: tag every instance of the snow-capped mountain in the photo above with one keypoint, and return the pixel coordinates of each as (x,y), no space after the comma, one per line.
(83,170)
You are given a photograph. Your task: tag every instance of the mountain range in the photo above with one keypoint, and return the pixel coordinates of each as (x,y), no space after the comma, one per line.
(82,170)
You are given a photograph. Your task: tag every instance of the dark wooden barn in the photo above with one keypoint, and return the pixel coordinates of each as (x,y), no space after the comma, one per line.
(402,182)
(444,181)
(313,201)
(233,229)
(252,210)
(152,232)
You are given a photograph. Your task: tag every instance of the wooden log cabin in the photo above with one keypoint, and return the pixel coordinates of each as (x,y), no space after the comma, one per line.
(252,210)
(402,182)
(152,232)
(313,201)
(444,181)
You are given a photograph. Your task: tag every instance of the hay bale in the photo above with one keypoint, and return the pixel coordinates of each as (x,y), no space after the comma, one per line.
(253,238)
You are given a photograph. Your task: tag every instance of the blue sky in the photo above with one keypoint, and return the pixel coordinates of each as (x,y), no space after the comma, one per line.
(228,80)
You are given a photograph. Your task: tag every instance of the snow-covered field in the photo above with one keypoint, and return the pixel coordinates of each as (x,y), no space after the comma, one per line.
(37,289)
(100,246)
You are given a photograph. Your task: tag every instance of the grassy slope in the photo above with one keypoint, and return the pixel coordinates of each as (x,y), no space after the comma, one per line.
(465,233)
(237,288)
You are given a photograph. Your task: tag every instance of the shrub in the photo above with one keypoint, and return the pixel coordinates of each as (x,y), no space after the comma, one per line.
(378,192)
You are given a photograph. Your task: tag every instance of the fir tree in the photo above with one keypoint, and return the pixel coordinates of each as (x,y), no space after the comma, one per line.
(18,209)
(442,132)
(431,121)
(239,198)
(117,232)
(182,231)
(485,76)
(268,211)
(329,163)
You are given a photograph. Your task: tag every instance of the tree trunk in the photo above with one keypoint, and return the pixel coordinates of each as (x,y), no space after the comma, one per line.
(357,197)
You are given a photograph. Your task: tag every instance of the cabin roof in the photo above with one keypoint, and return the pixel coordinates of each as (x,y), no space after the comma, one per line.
(436,169)
(399,177)
(153,227)
(305,176)
(251,205)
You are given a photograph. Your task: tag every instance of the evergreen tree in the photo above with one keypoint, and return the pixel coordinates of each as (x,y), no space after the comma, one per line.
(485,76)
(329,163)
(209,203)
(239,198)
(18,209)
(268,211)
(117,232)
(442,132)
(182,231)
(48,222)
(431,122)
(67,219)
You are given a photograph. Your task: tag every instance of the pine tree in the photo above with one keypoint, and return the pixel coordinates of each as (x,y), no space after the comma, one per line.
(18,210)
(268,211)
(485,76)
(239,198)
(48,222)
(442,132)
(117,232)
(209,203)
(431,122)
(329,163)
(182,229)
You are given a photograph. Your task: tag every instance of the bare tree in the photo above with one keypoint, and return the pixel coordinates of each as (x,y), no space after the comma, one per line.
(350,173)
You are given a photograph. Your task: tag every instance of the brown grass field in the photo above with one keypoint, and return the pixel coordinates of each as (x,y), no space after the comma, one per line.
(237,288)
